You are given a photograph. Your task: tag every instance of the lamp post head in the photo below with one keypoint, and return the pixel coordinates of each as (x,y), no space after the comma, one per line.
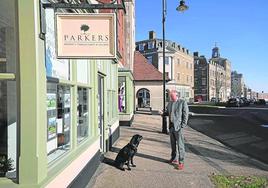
(182,7)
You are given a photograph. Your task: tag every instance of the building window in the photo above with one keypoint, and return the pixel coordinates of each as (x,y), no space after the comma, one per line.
(150,59)
(187,94)
(212,82)
(187,65)
(58,120)
(166,44)
(8,89)
(121,94)
(167,60)
(8,127)
(191,79)
(178,76)
(167,75)
(56,68)
(204,72)
(204,81)
(191,66)
(150,45)
(82,114)
(187,79)
(178,61)
(141,47)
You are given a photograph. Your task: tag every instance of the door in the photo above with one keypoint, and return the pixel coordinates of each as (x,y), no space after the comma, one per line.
(100,111)
(143,98)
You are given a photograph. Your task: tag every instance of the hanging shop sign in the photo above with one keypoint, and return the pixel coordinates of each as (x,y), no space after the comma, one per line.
(85,36)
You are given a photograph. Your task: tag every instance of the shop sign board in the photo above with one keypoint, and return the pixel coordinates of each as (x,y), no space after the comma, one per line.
(85,36)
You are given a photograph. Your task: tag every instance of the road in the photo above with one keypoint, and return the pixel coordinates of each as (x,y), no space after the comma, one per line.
(243,129)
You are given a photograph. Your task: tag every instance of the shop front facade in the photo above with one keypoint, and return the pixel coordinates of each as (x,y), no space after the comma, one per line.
(58,115)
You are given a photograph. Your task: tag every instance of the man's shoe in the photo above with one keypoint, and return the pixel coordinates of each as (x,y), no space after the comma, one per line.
(180,166)
(173,161)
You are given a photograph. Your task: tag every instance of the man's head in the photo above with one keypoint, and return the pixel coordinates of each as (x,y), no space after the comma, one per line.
(173,95)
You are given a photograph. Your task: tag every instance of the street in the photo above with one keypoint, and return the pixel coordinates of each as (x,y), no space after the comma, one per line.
(243,129)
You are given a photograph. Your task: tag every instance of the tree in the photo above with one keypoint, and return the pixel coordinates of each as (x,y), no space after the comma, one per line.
(84,28)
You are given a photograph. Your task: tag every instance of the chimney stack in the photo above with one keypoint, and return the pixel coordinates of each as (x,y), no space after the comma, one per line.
(152,35)
(196,54)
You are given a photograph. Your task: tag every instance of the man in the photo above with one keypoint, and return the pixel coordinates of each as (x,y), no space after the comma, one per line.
(177,110)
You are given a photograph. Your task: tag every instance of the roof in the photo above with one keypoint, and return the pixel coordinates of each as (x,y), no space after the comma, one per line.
(143,71)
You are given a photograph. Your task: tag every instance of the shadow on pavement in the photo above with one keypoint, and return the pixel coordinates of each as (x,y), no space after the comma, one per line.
(156,140)
(108,161)
(207,154)
(246,144)
(116,150)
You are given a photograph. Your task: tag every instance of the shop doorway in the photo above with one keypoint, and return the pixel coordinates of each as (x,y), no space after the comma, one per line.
(100,111)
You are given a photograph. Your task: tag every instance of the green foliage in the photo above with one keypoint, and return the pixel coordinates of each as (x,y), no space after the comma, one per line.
(222,181)
(5,165)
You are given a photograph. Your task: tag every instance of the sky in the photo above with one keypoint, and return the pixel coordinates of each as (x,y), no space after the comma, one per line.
(239,27)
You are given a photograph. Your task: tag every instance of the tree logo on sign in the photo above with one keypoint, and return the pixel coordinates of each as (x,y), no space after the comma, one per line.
(84,28)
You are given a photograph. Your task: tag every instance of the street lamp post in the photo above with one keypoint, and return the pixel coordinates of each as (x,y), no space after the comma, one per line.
(182,7)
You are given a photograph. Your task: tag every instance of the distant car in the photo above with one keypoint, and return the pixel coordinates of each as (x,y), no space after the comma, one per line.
(213,99)
(234,102)
(245,101)
(260,102)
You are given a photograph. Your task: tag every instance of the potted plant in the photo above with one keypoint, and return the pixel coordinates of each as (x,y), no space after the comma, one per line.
(5,165)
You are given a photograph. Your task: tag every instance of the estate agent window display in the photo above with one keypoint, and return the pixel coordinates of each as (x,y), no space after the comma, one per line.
(67,76)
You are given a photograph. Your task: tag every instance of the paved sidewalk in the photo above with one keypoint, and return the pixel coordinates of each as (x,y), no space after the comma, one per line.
(204,156)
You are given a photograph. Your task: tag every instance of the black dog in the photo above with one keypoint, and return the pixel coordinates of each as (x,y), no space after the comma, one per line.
(127,153)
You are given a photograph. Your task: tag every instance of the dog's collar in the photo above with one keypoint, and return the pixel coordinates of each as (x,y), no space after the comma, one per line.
(134,147)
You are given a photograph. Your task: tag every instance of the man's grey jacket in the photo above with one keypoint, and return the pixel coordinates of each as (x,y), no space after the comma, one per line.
(181,112)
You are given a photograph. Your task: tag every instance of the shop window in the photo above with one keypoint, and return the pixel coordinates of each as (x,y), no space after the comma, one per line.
(8,128)
(8,90)
(82,114)
(58,120)
(56,68)
(122,94)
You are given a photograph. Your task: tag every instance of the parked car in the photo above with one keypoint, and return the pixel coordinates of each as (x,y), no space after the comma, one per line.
(260,102)
(213,99)
(245,101)
(235,102)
